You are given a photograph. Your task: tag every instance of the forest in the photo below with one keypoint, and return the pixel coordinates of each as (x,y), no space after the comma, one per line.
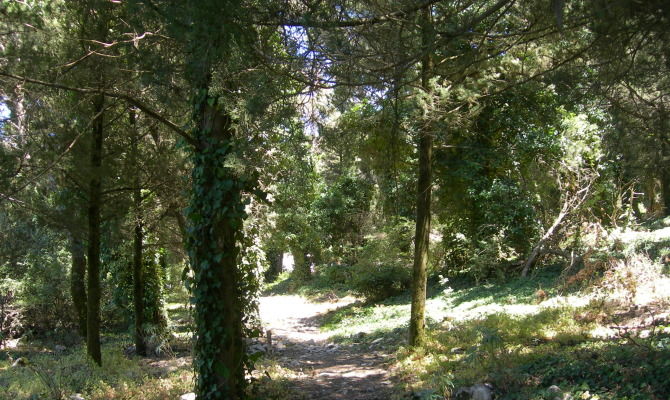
(335,199)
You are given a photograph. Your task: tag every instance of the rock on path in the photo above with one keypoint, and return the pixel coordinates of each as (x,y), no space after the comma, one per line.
(324,370)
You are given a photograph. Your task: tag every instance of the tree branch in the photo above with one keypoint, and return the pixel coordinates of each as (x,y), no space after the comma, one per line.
(131,100)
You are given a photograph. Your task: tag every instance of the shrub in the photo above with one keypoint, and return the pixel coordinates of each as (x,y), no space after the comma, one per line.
(10,318)
(45,292)
(380,281)
(334,274)
(384,267)
(479,260)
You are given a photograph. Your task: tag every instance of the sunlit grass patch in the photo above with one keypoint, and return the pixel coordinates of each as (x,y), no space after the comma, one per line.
(504,334)
(475,350)
(271,381)
(59,375)
(317,289)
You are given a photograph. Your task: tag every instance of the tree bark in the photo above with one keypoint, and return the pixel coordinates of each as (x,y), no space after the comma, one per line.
(664,132)
(78,282)
(138,239)
(302,270)
(423,200)
(94,203)
(275,259)
(216,217)
(547,235)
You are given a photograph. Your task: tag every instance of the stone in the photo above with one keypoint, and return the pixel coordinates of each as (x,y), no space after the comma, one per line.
(77,396)
(553,389)
(59,348)
(257,348)
(556,393)
(378,340)
(457,350)
(187,396)
(332,347)
(479,391)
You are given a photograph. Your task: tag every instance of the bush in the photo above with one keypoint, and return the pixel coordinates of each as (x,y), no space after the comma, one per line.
(479,260)
(334,274)
(380,281)
(384,267)
(44,297)
(10,319)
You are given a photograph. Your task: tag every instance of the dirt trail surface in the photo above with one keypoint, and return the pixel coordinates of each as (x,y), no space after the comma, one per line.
(324,370)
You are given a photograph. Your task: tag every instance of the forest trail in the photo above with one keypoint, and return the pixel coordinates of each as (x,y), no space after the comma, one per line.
(322,369)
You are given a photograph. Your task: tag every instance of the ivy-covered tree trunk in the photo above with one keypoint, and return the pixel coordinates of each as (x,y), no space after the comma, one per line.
(78,282)
(302,270)
(94,203)
(216,215)
(423,200)
(138,241)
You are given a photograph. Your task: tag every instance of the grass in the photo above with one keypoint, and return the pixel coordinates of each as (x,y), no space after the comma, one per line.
(506,335)
(316,289)
(55,375)
(502,333)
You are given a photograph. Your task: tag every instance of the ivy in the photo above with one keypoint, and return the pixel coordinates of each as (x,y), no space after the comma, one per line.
(223,289)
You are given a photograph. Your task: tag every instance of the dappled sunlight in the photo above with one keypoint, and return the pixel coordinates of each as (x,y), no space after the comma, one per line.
(302,357)
(286,314)
(513,345)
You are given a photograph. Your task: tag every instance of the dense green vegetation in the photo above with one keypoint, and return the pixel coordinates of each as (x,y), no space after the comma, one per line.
(489,180)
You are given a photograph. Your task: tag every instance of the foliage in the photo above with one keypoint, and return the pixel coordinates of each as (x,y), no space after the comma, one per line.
(342,212)
(45,302)
(385,263)
(380,280)
(58,376)
(322,104)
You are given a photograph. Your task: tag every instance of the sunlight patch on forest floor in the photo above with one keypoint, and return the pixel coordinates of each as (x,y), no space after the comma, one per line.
(303,358)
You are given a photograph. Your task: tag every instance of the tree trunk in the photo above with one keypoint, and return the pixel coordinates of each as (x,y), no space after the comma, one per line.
(138,274)
(94,202)
(423,200)
(275,259)
(302,270)
(565,208)
(664,132)
(78,282)
(138,279)
(216,218)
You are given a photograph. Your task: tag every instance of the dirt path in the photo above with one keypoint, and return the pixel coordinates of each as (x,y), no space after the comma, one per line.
(324,370)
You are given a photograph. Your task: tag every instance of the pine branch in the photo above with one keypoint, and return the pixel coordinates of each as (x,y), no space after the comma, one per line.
(122,96)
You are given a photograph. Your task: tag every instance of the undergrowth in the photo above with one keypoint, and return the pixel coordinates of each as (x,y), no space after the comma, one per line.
(44,374)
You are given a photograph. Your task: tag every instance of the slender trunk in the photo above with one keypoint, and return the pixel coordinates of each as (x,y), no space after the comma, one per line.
(664,132)
(78,282)
(302,270)
(275,259)
(216,217)
(423,200)
(138,279)
(540,244)
(138,273)
(94,202)
(19,112)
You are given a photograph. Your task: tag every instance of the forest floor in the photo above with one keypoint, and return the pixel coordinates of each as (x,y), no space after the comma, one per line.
(320,368)
(602,333)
